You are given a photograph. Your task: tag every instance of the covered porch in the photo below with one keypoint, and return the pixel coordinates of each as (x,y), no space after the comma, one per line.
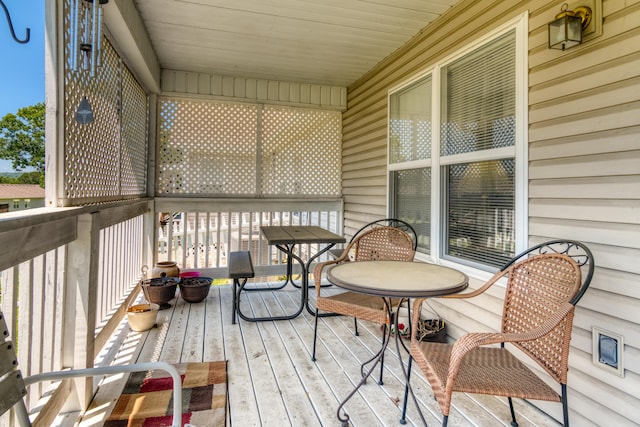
(212,118)
(271,378)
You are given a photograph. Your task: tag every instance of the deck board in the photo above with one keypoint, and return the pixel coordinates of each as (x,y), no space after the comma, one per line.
(271,378)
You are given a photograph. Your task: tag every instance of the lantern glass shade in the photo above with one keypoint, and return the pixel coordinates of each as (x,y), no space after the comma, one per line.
(565,32)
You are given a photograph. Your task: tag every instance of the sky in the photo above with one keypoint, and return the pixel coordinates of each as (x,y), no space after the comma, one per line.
(21,65)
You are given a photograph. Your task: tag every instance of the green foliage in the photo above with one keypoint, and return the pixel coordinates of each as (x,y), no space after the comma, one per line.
(23,178)
(22,138)
(32,178)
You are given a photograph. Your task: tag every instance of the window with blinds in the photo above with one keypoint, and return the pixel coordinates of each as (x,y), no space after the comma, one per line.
(478,115)
(479,212)
(410,142)
(478,99)
(473,155)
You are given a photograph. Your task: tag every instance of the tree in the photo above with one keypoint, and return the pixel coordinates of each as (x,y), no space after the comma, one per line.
(22,138)
(24,178)
(31,178)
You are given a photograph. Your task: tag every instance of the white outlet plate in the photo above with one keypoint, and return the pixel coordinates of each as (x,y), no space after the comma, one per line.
(614,343)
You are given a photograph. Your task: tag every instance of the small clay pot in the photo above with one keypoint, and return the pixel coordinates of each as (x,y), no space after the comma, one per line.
(195,289)
(165,269)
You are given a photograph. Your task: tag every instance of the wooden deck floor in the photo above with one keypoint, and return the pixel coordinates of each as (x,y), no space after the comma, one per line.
(271,378)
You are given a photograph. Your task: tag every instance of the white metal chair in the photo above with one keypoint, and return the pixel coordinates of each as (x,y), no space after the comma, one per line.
(13,387)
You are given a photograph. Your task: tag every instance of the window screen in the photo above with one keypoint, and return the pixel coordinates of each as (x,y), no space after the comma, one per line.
(411,202)
(410,123)
(479,211)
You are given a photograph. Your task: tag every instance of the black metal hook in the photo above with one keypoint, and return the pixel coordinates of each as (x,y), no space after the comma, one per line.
(13,33)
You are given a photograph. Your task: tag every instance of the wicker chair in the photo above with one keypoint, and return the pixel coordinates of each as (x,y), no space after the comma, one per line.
(384,222)
(543,286)
(378,243)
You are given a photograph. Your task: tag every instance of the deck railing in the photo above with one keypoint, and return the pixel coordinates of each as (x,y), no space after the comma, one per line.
(67,275)
(199,234)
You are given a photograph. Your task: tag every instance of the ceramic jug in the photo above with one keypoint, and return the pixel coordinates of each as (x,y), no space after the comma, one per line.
(165,269)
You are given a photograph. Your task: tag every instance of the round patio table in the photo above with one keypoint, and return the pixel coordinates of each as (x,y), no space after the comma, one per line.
(393,279)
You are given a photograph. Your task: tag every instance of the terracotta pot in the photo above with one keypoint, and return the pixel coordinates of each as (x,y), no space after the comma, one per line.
(195,289)
(165,269)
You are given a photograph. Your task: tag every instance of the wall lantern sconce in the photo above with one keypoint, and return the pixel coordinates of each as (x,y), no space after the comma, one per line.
(566,30)
(86,34)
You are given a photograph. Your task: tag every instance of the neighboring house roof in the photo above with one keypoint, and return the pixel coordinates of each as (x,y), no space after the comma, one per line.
(21,191)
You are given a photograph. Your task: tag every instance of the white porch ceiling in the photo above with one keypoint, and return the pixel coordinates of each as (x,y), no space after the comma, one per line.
(331,42)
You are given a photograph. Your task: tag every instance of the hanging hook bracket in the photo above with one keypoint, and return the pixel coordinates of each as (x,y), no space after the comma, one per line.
(13,33)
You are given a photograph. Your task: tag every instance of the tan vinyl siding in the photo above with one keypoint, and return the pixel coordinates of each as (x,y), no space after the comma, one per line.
(583,177)
(254,90)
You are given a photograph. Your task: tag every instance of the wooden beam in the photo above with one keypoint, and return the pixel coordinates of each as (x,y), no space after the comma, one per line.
(35,240)
(121,213)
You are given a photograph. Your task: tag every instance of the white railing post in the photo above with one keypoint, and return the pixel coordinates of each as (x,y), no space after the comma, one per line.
(80,305)
(150,240)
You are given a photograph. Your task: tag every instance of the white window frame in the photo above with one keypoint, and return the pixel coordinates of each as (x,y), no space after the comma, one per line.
(518,151)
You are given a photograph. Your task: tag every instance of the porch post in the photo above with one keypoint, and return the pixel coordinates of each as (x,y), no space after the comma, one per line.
(54,88)
(80,306)
(150,244)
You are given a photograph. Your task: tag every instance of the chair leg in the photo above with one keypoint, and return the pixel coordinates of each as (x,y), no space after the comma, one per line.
(445,420)
(565,406)
(355,326)
(403,420)
(514,423)
(384,333)
(21,414)
(315,337)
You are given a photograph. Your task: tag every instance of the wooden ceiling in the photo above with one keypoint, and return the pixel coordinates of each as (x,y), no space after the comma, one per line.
(332,42)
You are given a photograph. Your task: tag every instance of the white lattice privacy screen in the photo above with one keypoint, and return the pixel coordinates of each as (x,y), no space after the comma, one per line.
(106,159)
(213,148)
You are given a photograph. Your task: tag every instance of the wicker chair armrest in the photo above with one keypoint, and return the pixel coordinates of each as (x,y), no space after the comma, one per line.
(345,253)
(317,271)
(470,341)
(417,304)
(499,275)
